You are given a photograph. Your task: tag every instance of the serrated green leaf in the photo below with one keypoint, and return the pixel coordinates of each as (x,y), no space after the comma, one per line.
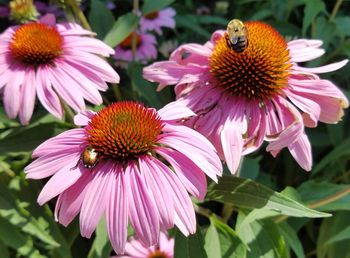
(101,246)
(150,6)
(101,19)
(121,29)
(189,247)
(311,10)
(291,239)
(246,193)
(212,242)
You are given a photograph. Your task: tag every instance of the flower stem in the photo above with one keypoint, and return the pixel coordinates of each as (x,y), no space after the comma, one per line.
(227,212)
(335,9)
(134,35)
(79,14)
(116,91)
(320,202)
(69,114)
(8,171)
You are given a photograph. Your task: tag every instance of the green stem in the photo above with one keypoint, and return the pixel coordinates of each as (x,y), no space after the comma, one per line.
(7,170)
(227,212)
(79,14)
(69,114)
(134,35)
(206,212)
(321,202)
(335,9)
(116,90)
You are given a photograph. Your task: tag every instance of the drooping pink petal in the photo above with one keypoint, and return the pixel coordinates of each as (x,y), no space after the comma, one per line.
(117,210)
(28,93)
(301,151)
(175,111)
(190,175)
(158,189)
(143,214)
(96,198)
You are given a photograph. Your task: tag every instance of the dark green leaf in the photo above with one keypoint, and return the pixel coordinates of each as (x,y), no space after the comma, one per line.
(121,29)
(343,24)
(342,235)
(231,245)
(291,239)
(250,168)
(101,246)
(342,150)
(191,22)
(246,193)
(101,19)
(25,139)
(144,88)
(312,9)
(189,247)
(263,239)
(312,191)
(4,250)
(150,6)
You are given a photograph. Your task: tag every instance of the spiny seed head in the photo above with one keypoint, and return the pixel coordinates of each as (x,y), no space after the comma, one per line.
(124,130)
(35,44)
(260,71)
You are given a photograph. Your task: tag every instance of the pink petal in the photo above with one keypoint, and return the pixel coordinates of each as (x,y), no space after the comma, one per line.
(323,69)
(69,202)
(143,214)
(158,189)
(46,94)
(117,210)
(190,175)
(28,92)
(175,111)
(87,44)
(185,218)
(301,151)
(232,145)
(96,199)
(58,183)
(83,117)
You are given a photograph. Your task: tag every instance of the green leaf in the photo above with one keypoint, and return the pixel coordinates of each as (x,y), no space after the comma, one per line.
(343,24)
(121,29)
(231,245)
(150,6)
(101,19)
(189,247)
(264,240)
(25,139)
(4,250)
(144,88)
(250,168)
(246,193)
(212,242)
(342,235)
(311,10)
(12,237)
(312,191)
(291,239)
(191,22)
(342,150)
(101,246)
(329,229)
(208,19)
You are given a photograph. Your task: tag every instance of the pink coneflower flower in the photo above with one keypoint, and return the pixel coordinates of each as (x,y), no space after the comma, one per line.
(117,165)
(154,21)
(259,94)
(51,61)
(145,49)
(136,249)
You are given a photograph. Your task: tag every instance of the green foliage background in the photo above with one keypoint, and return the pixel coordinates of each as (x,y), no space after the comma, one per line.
(274,209)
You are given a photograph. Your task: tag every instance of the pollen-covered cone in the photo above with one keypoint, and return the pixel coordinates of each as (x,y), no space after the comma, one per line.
(53,62)
(262,93)
(136,249)
(131,163)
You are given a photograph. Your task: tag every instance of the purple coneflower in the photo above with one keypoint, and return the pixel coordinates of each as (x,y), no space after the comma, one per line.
(117,165)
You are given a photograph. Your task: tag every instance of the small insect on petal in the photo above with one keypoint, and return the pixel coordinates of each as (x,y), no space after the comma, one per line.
(89,157)
(237,35)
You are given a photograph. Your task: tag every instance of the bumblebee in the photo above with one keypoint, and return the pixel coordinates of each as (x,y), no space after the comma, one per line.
(237,35)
